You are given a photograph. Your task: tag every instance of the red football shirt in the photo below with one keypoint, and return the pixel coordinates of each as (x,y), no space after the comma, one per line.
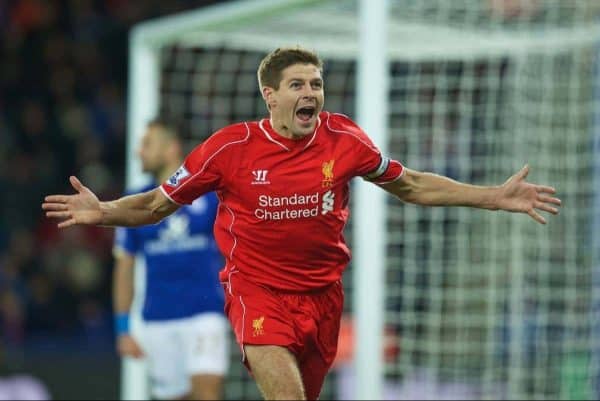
(283,202)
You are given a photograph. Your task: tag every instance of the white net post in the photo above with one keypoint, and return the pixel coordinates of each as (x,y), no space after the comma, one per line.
(143,91)
(369,228)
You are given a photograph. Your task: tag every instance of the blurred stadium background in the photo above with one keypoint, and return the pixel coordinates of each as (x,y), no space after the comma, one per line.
(477,305)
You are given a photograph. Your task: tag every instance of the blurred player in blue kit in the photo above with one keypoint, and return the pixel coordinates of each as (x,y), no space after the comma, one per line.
(184,334)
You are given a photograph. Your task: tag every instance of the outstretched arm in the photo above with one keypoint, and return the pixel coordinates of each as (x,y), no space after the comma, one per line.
(515,195)
(129,211)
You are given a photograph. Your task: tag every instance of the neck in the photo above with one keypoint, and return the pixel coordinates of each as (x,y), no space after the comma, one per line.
(164,174)
(284,131)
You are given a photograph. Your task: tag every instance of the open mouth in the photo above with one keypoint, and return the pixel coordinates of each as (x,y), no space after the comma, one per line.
(306,113)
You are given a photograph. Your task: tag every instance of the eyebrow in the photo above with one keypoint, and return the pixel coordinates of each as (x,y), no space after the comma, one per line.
(302,80)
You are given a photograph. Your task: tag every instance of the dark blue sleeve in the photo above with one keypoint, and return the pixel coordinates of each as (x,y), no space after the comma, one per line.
(126,240)
(213,205)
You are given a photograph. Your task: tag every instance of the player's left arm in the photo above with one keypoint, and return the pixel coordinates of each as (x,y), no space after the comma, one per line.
(123,277)
(515,195)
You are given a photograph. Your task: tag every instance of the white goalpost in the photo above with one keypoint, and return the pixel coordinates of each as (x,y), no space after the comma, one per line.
(474,304)
(372,86)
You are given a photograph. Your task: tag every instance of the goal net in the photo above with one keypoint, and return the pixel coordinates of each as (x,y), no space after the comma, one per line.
(479,304)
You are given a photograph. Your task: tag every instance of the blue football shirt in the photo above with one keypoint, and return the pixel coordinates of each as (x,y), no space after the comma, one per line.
(182,261)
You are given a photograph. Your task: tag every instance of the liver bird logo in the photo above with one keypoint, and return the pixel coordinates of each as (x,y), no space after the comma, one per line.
(257,325)
(328,173)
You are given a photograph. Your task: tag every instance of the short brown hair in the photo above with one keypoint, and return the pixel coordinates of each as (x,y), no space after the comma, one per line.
(172,127)
(269,71)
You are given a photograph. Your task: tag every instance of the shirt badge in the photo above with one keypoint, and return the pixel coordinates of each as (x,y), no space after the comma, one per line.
(328,173)
(179,175)
(257,326)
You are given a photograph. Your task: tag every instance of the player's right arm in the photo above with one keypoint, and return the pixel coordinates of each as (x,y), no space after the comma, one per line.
(129,211)
(202,171)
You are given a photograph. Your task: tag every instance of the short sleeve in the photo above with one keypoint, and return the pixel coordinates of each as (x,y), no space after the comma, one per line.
(369,162)
(204,168)
(213,205)
(125,240)
(388,170)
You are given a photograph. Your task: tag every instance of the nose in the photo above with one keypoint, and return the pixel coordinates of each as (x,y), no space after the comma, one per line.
(308,91)
(308,94)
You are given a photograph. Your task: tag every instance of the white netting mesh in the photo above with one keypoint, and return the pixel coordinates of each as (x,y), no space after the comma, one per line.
(484,305)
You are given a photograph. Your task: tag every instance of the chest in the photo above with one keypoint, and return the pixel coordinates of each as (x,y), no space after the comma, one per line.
(303,172)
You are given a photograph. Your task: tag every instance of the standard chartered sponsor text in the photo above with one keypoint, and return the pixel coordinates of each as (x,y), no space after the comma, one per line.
(266,204)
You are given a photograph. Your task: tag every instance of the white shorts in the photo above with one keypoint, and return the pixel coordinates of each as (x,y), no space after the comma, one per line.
(178,349)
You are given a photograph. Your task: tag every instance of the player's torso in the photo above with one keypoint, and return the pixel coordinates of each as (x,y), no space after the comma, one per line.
(285,203)
(182,262)
(181,245)
(275,181)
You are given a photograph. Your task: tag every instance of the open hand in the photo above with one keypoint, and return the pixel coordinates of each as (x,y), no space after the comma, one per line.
(518,195)
(80,208)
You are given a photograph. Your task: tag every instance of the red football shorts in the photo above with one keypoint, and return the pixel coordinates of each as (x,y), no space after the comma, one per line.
(307,324)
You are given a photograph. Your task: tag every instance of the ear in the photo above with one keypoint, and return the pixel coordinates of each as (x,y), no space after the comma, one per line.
(267,94)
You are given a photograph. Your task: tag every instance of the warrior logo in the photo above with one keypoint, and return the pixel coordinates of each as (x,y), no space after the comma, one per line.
(260,177)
